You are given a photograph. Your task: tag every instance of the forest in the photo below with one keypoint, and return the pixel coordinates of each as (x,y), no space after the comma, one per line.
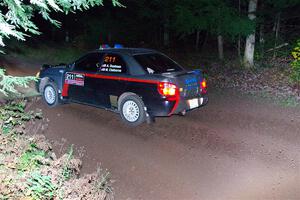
(249,30)
(249,53)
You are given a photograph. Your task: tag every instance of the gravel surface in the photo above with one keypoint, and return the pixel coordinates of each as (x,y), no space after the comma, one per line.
(237,147)
(234,148)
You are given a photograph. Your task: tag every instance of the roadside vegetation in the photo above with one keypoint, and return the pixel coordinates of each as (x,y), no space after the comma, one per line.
(30,170)
(49,53)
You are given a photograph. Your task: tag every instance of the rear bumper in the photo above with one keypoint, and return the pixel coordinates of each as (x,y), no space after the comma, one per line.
(183,105)
(167,108)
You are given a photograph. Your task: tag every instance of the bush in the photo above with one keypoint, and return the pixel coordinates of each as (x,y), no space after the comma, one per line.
(295,74)
(13,114)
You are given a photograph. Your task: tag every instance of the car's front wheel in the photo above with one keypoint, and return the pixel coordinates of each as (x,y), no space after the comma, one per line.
(50,94)
(132,110)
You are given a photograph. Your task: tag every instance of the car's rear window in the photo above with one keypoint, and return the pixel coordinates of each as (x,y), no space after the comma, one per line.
(155,63)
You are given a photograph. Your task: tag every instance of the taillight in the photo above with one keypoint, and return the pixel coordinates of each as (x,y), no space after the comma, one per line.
(167,89)
(203,85)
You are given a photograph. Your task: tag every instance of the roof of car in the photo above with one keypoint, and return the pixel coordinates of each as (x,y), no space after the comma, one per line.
(130,51)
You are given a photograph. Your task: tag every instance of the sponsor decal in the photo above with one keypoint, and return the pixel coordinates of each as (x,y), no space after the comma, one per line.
(190,81)
(74,79)
(191,84)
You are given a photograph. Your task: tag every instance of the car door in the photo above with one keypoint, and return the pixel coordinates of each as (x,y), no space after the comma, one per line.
(113,73)
(81,78)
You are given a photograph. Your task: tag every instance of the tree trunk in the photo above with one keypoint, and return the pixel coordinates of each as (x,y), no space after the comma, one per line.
(67,37)
(250,40)
(277,28)
(239,49)
(204,40)
(261,40)
(220,47)
(197,40)
(239,38)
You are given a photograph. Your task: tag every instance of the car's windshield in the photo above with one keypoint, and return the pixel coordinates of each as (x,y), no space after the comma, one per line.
(156,63)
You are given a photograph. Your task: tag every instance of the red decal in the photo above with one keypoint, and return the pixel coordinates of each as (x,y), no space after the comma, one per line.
(121,78)
(176,99)
(65,90)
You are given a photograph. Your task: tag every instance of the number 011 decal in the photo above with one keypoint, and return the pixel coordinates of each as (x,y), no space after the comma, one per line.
(74,79)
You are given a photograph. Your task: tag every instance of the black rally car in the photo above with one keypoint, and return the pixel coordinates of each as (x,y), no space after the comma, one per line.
(140,84)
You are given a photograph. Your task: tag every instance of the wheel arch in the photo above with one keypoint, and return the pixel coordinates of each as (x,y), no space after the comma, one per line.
(43,83)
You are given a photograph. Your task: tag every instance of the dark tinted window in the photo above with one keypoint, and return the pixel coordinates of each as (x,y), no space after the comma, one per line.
(113,63)
(89,62)
(157,63)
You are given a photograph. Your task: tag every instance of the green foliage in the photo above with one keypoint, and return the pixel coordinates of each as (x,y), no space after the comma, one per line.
(8,83)
(295,75)
(40,187)
(278,5)
(46,53)
(13,114)
(66,171)
(214,16)
(30,159)
(16,17)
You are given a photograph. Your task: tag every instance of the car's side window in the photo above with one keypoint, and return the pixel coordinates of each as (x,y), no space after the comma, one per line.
(113,63)
(89,63)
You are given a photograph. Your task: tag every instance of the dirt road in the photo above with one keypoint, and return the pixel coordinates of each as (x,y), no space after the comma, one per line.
(234,148)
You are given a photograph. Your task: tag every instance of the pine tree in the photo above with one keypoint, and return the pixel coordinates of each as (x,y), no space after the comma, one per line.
(16,16)
(217,17)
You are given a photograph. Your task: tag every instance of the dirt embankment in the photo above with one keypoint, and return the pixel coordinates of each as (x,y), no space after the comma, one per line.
(30,170)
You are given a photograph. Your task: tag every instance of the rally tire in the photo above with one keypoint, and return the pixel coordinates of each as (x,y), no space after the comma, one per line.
(132,110)
(50,94)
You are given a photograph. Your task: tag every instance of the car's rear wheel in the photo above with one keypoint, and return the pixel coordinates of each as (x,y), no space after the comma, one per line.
(132,110)
(50,94)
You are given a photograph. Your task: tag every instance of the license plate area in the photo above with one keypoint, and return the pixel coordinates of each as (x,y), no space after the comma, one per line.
(193,103)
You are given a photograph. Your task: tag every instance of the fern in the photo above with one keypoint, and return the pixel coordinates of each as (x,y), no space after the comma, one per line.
(8,83)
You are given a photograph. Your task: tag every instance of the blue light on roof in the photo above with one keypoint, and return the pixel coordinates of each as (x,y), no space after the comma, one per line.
(117,46)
